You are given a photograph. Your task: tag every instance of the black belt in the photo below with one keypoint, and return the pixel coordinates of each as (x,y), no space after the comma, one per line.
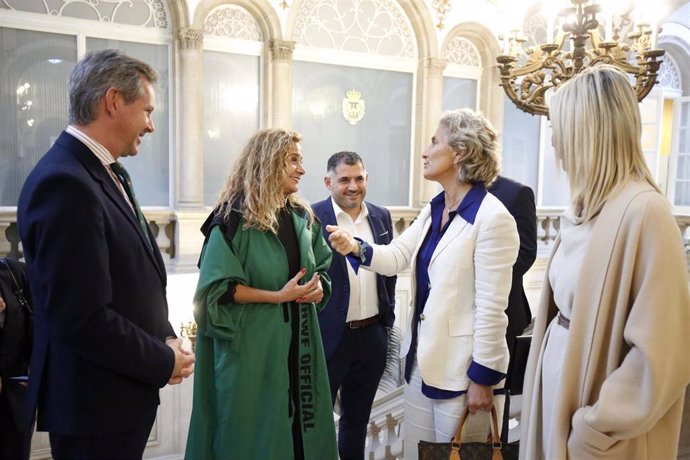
(359,323)
(563,321)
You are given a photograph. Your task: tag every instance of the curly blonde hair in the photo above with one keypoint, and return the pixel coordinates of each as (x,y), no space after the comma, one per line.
(256,182)
(472,135)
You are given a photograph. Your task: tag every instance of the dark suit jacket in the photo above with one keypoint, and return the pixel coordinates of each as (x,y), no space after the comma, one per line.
(519,200)
(98,289)
(15,348)
(332,317)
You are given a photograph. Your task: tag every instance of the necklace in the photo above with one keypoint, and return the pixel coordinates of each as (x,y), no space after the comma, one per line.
(454,204)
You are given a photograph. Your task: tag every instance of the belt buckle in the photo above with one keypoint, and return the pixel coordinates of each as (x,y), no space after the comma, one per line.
(352,325)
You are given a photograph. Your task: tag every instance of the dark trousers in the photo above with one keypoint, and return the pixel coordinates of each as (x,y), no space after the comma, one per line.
(121,446)
(15,444)
(355,368)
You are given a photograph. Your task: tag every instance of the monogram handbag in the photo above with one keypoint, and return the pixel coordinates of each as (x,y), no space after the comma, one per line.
(457,450)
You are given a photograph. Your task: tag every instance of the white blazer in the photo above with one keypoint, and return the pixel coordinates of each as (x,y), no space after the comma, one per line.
(470,272)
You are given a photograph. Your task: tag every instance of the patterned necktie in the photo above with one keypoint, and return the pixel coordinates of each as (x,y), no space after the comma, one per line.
(126,182)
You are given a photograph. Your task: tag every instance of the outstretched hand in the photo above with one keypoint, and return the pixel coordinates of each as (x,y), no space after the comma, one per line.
(341,241)
(311,291)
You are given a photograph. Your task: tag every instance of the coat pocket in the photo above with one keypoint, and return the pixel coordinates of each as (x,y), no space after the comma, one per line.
(459,325)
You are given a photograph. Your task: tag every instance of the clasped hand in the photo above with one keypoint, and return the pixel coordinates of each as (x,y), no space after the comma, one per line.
(341,241)
(309,292)
(184,359)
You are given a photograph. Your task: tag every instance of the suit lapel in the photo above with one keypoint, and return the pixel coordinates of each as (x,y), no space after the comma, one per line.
(377,226)
(97,171)
(456,227)
(331,220)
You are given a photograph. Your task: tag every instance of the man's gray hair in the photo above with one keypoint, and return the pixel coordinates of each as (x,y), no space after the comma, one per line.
(99,71)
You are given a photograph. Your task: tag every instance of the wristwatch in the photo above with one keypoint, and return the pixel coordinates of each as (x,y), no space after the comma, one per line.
(362,250)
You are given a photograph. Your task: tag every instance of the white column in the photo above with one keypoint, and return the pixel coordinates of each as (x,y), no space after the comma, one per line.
(279,76)
(189,174)
(189,192)
(428,111)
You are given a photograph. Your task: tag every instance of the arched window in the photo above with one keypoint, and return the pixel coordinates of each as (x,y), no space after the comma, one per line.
(461,75)
(353,90)
(232,62)
(35,62)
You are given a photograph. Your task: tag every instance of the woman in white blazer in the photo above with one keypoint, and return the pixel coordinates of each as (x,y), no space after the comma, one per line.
(462,248)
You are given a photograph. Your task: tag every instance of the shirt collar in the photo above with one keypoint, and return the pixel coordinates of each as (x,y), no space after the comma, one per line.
(469,206)
(363,213)
(102,153)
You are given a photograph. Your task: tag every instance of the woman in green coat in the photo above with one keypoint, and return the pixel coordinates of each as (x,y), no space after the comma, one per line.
(261,388)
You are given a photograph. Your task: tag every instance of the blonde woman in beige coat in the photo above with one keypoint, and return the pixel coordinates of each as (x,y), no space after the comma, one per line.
(608,367)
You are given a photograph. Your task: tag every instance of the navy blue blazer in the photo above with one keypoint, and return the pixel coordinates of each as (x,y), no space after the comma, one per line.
(98,290)
(519,200)
(332,317)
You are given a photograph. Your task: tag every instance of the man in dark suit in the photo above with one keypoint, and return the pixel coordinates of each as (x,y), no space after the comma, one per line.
(519,200)
(15,350)
(355,322)
(103,345)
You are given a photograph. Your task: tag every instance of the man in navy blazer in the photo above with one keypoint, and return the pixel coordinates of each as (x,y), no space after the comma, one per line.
(355,322)
(103,345)
(519,200)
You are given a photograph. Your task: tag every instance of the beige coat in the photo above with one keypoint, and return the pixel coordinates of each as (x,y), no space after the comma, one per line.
(626,360)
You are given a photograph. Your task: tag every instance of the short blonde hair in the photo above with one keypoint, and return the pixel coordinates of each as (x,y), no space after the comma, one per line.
(596,135)
(472,136)
(257,180)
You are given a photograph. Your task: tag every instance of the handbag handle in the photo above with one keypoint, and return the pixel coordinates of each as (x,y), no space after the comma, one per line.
(496,444)
(17,288)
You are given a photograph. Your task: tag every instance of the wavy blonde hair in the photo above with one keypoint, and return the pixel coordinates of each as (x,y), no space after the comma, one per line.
(256,182)
(597,136)
(473,136)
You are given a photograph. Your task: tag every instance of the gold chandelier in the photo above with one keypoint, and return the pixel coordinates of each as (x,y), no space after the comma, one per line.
(528,73)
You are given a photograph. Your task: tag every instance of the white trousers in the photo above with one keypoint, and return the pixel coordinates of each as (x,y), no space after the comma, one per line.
(436,420)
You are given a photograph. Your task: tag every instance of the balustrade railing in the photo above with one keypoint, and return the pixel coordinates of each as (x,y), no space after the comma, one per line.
(162,224)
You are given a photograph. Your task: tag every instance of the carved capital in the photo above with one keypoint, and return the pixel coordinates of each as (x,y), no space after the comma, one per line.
(282,49)
(190,39)
(435,64)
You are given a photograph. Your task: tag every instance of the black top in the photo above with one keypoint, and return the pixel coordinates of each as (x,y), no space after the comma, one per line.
(288,238)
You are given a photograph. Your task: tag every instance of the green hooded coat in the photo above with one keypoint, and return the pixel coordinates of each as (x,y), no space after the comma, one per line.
(243,404)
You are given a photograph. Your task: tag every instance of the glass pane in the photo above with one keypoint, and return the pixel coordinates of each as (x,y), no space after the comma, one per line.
(35,67)
(231,114)
(381,137)
(459,93)
(150,168)
(682,194)
(554,184)
(681,168)
(682,188)
(520,144)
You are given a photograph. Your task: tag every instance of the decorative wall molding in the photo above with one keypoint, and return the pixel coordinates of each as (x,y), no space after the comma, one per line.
(669,74)
(232,21)
(190,39)
(435,64)
(282,49)
(377,27)
(462,51)
(145,13)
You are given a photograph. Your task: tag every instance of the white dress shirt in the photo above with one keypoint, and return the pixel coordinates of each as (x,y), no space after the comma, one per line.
(364,300)
(103,155)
